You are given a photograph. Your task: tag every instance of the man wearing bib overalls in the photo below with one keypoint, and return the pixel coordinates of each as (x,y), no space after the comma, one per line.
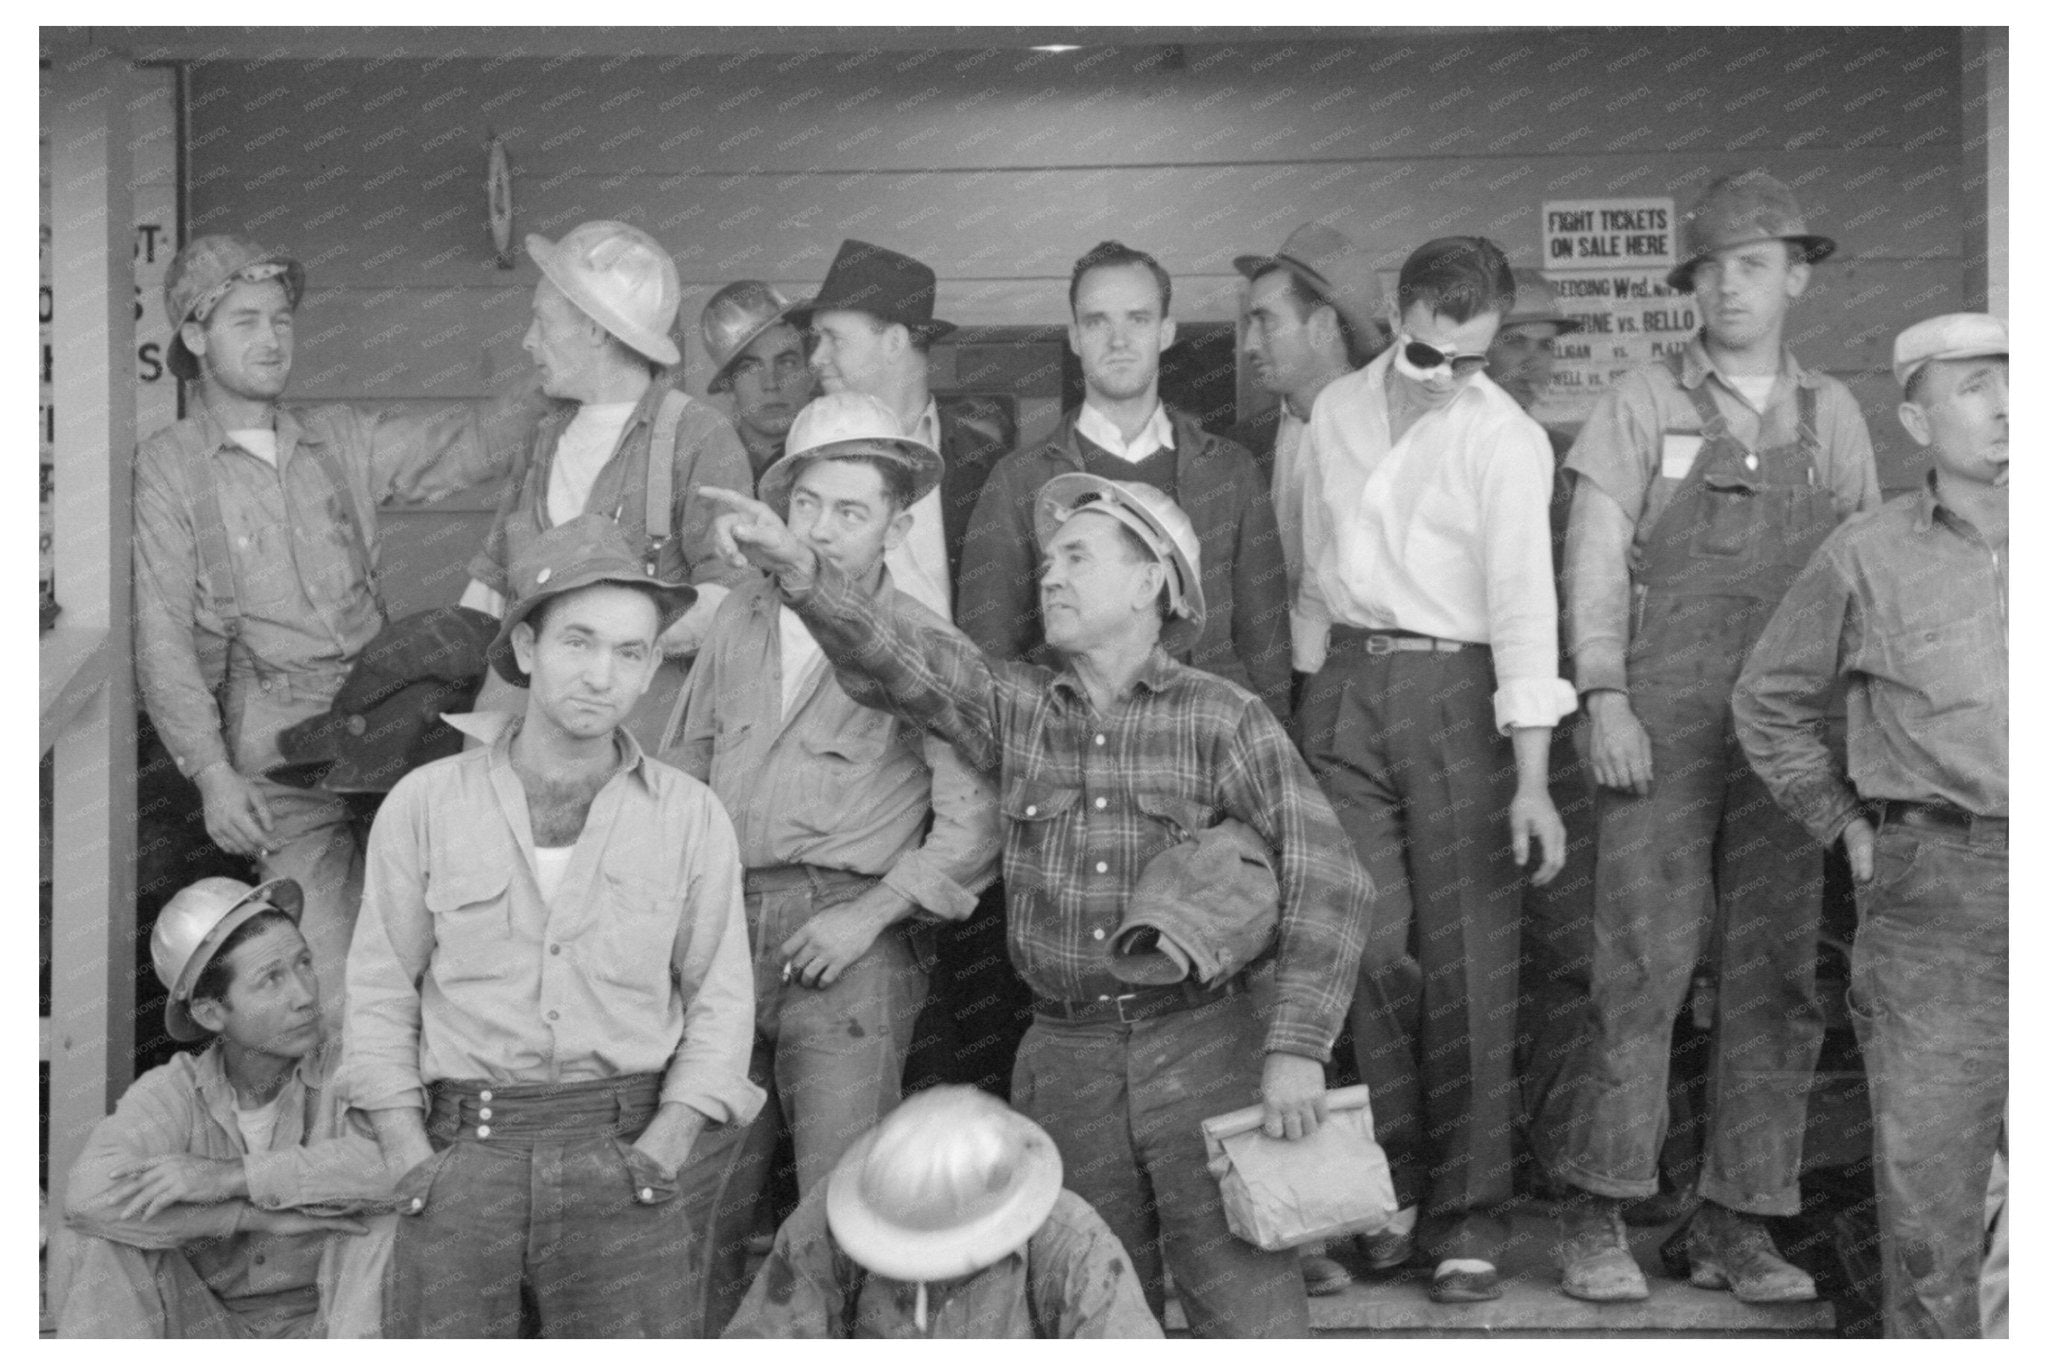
(1705,480)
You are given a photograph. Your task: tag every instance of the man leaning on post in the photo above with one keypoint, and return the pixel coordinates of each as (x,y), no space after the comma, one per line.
(1104,762)
(549,993)
(1909,606)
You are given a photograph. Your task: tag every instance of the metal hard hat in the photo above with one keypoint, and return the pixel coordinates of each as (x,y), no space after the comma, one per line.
(837,419)
(621,277)
(953,1180)
(735,317)
(1536,301)
(201,275)
(194,923)
(1754,206)
(1157,520)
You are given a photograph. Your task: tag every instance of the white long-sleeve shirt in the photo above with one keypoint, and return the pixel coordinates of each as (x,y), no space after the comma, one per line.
(1445,532)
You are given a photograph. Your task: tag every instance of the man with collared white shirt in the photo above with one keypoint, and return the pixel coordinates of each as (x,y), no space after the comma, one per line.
(1428,617)
(1120,299)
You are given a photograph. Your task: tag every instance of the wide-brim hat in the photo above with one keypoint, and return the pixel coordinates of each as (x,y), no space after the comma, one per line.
(1157,520)
(1329,261)
(579,552)
(1536,302)
(734,319)
(1736,210)
(281,894)
(953,1180)
(1951,336)
(619,276)
(842,425)
(885,284)
(201,274)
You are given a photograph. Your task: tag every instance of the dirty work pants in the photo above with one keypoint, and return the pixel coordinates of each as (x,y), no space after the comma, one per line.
(311,840)
(1928,993)
(1124,1103)
(1706,864)
(1405,747)
(544,1191)
(109,1289)
(831,1061)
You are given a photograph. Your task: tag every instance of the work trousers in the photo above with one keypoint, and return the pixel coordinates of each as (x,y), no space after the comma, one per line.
(110,1289)
(1928,983)
(1405,747)
(831,1061)
(1124,1103)
(537,1186)
(1557,933)
(1706,864)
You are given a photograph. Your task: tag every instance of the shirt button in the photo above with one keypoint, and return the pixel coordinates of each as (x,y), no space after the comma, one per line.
(1102,803)
(484,1114)
(554,950)
(1098,933)
(646,1194)
(484,1096)
(1031,810)
(1102,867)
(483,1130)
(418,1204)
(1101,740)
(554,1014)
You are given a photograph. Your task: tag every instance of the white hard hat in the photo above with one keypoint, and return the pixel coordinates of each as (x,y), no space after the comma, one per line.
(192,926)
(951,1181)
(848,419)
(621,277)
(1157,520)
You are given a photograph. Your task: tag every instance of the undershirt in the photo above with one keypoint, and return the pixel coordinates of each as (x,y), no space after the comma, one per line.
(800,657)
(585,448)
(258,441)
(1755,388)
(258,1125)
(548,866)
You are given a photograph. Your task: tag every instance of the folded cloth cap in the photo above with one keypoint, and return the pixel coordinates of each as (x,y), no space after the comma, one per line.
(1951,336)
(1206,908)
(579,552)
(386,719)
(1536,301)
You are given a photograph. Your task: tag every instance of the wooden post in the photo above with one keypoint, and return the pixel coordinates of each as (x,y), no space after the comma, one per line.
(91,1034)
(1988,181)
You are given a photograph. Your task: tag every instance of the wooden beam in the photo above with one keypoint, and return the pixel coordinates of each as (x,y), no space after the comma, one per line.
(91,1047)
(1988,178)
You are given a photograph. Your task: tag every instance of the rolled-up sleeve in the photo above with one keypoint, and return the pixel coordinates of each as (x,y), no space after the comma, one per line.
(1521,593)
(709,1069)
(394,937)
(1781,700)
(338,1170)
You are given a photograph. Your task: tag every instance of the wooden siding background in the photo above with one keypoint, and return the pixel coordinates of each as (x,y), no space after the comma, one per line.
(999,167)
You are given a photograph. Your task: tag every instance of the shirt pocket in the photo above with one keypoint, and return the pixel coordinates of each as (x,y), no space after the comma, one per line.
(635,932)
(1042,833)
(1936,665)
(472,921)
(840,767)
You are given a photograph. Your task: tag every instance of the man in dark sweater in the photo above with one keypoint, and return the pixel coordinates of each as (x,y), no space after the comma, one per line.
(1121,431)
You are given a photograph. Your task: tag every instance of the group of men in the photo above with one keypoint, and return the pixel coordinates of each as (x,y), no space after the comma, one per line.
(836,726)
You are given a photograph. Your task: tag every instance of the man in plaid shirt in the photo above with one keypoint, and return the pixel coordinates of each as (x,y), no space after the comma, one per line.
(1104,762)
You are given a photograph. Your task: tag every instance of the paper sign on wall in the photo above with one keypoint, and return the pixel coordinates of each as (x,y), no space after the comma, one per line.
(1606,259)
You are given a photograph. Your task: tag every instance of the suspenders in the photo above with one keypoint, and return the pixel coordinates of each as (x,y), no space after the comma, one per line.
(661,474)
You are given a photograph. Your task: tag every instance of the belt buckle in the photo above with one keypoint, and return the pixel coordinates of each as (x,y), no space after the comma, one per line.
(1118,1001)
(1379,644)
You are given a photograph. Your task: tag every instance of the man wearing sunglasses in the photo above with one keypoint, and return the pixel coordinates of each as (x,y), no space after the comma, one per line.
(1705,480)
(1428,618)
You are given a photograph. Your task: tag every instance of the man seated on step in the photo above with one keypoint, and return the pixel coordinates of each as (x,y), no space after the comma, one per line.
(212,1202)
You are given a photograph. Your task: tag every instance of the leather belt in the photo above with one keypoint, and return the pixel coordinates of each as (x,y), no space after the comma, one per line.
(1147,1002)
(1941,815)
(800,877)
(1393,641)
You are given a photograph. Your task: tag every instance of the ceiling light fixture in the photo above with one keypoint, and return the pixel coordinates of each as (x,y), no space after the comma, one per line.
(1057,47)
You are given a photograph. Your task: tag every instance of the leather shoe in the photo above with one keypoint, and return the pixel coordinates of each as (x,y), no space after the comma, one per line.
(1729,1250)
(1592,1253)
(1387,1249)
(1464,1286)
(1322,1276)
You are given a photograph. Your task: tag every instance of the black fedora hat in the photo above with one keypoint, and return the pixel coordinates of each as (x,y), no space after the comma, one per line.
(882,283)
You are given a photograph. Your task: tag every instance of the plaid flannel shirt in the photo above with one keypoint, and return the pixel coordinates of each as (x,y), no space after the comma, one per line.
(1090,798)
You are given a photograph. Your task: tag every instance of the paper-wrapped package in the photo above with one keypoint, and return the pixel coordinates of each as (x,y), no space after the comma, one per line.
(1279,1194)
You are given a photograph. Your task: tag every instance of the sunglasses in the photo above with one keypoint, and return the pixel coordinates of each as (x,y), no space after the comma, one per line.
(1424,356)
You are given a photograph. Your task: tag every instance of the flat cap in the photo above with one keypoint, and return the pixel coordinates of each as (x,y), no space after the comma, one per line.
(1951,336)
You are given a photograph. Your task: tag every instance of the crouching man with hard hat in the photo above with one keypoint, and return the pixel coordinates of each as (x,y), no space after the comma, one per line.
(1103,763)
(947,1220)
(211,1202)
(620,441)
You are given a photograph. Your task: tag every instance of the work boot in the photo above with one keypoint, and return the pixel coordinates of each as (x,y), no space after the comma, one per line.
(1393,1245)
(1593,1254)
(1729,1250)
(1321,1274)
